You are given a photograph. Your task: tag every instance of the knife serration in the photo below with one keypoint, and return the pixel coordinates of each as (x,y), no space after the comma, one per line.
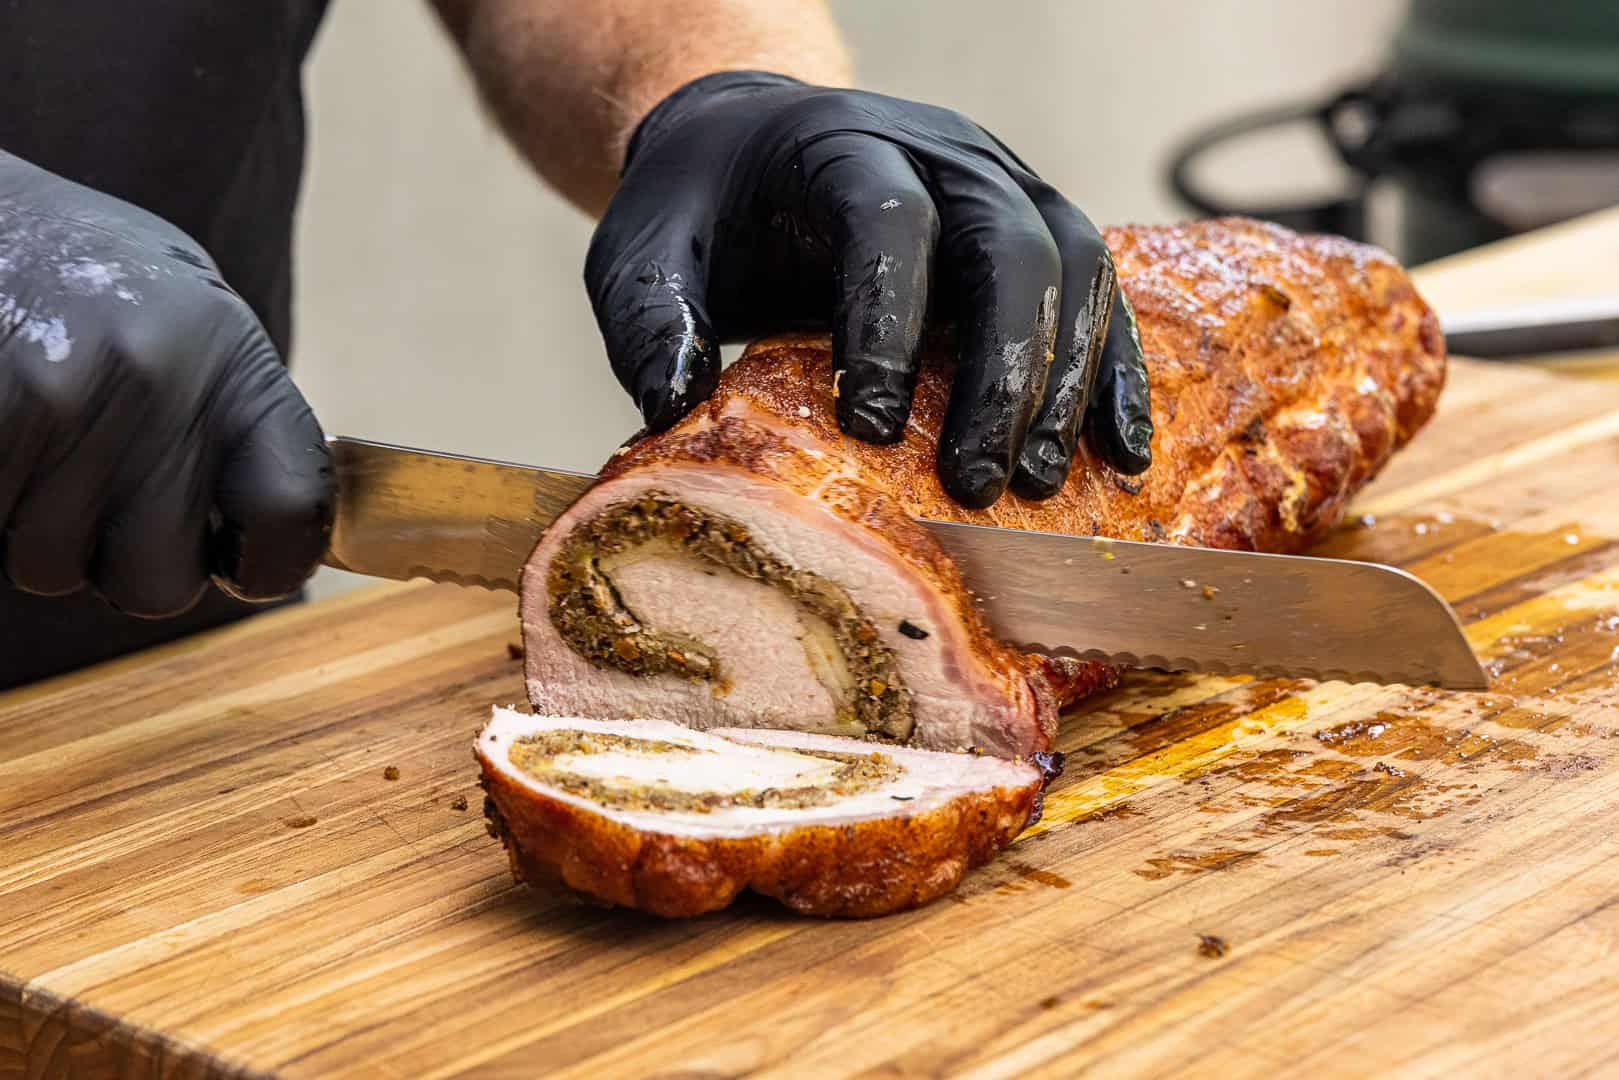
(1201,609)
(407,514)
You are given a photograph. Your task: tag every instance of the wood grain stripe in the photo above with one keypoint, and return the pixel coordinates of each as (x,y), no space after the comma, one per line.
(1492,467)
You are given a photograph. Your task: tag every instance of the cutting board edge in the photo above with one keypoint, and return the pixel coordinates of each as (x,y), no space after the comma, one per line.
(94,1042)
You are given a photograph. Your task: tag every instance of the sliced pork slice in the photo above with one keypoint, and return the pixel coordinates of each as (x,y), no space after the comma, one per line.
(753,567)
(653,815)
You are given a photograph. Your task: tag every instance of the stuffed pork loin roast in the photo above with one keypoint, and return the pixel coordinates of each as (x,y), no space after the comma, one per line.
(751,567)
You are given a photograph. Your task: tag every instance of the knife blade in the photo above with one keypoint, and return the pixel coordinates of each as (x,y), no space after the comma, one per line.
(406,514)
(1534,330)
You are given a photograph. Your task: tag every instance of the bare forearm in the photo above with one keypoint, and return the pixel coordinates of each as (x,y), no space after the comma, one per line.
(569,80)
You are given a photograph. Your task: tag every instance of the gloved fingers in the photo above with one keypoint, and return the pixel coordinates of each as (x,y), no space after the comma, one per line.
(1119,420)
(49,553)
(648,280)
(83,419)
(152,560)
(1089,285)
(23,434)
(276,493)
(1005,274)
(865,197)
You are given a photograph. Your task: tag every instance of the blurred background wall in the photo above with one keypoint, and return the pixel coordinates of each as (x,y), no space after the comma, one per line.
(439,300)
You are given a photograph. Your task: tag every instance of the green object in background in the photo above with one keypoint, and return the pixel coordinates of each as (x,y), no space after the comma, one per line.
(1560,46)
(1543,60)
(1491,117)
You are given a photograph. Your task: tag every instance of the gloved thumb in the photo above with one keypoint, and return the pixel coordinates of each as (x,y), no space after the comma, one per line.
(276,493)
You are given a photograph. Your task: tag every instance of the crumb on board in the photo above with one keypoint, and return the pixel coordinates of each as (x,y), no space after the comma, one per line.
(391,773)
(458,803)
(514,650)
(302,821)
(1210,592)
(1212,946)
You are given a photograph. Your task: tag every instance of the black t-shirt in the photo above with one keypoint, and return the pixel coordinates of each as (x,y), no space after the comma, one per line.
(192,109)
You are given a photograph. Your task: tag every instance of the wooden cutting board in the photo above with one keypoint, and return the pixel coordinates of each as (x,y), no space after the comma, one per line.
(206,868)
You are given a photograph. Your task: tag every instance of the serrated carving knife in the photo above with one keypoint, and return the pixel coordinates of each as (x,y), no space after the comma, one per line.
(407,514)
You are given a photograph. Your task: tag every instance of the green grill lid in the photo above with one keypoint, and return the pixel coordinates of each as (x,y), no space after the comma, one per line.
(1558,46)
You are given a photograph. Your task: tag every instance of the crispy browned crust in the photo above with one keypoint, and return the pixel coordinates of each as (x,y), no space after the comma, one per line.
(861,869)
(1059,681)
(1285,368)
(1285,371)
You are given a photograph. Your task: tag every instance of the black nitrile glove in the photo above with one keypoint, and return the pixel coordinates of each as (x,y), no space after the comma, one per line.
(752,203)
(149,435)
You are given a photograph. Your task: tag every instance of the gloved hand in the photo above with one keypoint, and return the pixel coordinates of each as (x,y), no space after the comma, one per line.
(149,434)
(753,203)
